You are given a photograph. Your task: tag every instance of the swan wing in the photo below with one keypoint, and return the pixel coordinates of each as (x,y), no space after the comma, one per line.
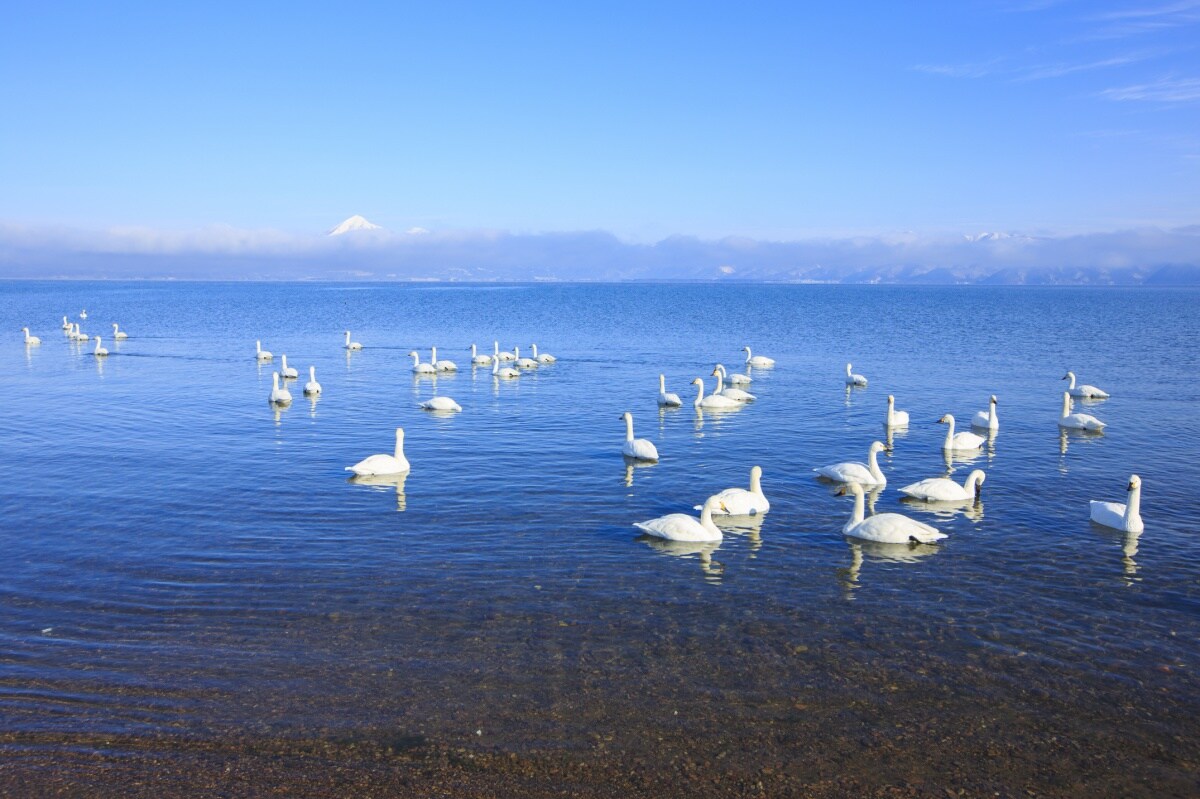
(740,502)
(640,448)
(1109,514)
(935,489)
(677,527)
(378,464)
(847,472)
(893,528)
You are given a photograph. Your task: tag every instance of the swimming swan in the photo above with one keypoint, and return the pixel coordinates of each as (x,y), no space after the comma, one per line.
(260,353)
(30,339)
(734,379)
(943,489)
(419,368)
(503,372)
(886,528)
(383,464)
(682,527)
(758,361)
(118,334)
(312,386)
(740,502)
(1084,391)
(640,449)
(66,325)
(279,394)
(895,418)
(712,401)
(1077,421)
(99,352)
(665,398)
(545,357)
(732,393)
(286,371)
(351,345)
(77,334)
(853,379)
(479,360)
(443,365)
(524,363)
(440,404)
(83,314)
(1126,517)
(959,441)
(987,419)
(856,472)
(501,356)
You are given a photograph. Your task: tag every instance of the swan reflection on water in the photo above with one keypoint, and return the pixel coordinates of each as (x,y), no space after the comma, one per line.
(969,508)
(633,463)
(862,551)
(700,550)
(1129,543)
(748,526)
(1066,437)
(382,482)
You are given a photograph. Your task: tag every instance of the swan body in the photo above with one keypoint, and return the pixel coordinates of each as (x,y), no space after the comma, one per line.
(118,334)
(83,314)
(479,360)
(853,379)
(1077,421)
(419,368)
(66,325)
(503,372)
(987,419)
(712,401)
(77,334)
(959,441)
(279,394)
(440,404)
(867,473)
(943,489)
(734,379)
(665,398)
(682,527)
(501,356)
(895,418)
(545,357)
(524,363)
(886,528)
(383,464)
(732,393)
(1125,516)
(312,386)
(1084,391)
(351,345)
(286,371)
(758,361)
(30,339)
(640,449)
(443,365)
(260,353)
(99,352)
(742,502)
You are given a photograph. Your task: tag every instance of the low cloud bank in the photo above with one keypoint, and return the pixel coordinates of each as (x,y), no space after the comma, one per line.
(1144,256)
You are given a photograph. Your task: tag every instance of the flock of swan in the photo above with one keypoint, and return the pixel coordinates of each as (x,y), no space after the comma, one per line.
(731,503)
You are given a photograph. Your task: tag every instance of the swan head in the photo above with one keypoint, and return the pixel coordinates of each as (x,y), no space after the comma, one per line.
(1068,375)
(698,382)
(1135,482)
(993,400)
(627,417)
(947,419)
(877,446)
(850,488)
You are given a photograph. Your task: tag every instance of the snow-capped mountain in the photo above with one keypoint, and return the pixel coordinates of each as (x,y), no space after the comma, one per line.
(355,222)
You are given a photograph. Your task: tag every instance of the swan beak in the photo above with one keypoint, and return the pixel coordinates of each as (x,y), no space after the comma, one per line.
(1129,487)
(1064,377)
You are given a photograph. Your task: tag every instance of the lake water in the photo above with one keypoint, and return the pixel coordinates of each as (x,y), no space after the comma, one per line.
(184,565)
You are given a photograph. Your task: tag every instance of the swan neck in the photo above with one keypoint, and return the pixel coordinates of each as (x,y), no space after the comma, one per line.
(873,464)
(534,346)
(1066,407)
(857,516)
(347,336)
(706,516)
(473,351)
(1071,377)
(662,384)
(312,373)
(949,431)
(628,427)
(1133,505)
(699,392)
(720,382)
(755,481)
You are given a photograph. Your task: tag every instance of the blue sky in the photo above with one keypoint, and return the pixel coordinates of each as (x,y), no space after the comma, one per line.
(772,121)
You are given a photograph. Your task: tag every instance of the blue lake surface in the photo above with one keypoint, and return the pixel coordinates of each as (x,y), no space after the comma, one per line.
(181,560)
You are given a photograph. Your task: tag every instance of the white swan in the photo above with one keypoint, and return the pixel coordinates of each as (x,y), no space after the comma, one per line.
(419,368)
(479,360)
(1077,421)
(545,357)
(1084,391)
(501,356)
(440,404)
(640,449)
(758,361)
(959,441)
(1127,516)
(312,386)
(732,393)
(99,352)
(286,371)
(886,528)
(30,339)
(260,353)
(665,398)
(503,372)
(66,325)
(734,379)
(77,334)
(383,464)
(83,314)
(867,473)
(740,502)
(524,363)
(895,418)
(712,401)
(943,489)
(279,394)
(853,379)
(682,527)
(119,334)
(987,419)
(442,365)
(351,345)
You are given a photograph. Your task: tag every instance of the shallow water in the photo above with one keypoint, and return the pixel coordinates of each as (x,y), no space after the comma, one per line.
(181,559)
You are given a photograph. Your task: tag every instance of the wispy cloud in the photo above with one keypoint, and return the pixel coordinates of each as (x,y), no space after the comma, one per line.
(981,70)
(1044,71)
(1142,20)
(1165,90)
(1019,73)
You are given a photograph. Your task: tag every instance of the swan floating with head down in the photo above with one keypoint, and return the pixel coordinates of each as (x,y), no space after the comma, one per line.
(895,418)
(758,361)
(440,404)
(1084,391)
(959,442)
(987,420)
(943,489)
(1077,421)
(682,527)
(742,502)
(640,449)
(853,379)
(665,398)
(886,528)
(867,473)
(383,464)
(1127,516)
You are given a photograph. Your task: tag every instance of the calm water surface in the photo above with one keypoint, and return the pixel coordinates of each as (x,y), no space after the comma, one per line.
(183,560)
